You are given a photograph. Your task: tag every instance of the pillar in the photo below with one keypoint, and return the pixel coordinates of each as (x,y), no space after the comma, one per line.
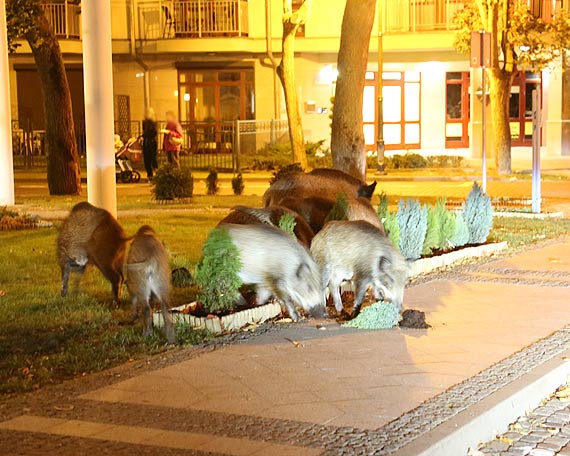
(99,115)
(6,159)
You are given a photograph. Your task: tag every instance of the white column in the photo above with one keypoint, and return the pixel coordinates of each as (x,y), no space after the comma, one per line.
(6,164)
(99,116)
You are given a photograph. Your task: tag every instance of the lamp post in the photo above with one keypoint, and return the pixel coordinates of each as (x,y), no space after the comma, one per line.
(99,115)
(380,87)
(6,164)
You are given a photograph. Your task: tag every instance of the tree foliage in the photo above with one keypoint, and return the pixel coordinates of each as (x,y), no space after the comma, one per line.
(520,41)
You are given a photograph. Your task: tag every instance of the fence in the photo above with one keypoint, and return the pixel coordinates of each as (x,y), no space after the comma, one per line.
(64,18)
(192,18)
(224,145)
(419,15)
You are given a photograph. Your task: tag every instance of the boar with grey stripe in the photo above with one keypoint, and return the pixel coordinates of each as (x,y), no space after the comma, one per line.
(148,279)
(277,265)
(359,252)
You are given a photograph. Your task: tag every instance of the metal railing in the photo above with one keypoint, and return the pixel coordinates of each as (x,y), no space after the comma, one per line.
(419,15)
(64,18)
(192,18)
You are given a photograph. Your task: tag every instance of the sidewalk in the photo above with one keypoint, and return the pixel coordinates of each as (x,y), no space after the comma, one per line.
(336,392)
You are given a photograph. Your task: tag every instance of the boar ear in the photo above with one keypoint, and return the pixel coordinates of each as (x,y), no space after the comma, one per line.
(367,190)
(384,263)
(301,270)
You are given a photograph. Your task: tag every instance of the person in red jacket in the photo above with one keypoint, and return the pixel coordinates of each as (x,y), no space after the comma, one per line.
(172,139)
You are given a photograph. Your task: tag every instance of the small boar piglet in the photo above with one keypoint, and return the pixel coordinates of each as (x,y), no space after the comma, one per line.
(148,279)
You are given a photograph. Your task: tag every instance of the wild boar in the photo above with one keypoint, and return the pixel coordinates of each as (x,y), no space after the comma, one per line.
(359,252)
(278,266)
(317,211)
(243,215)
(91,235)
(314,185)
(148,279)
(364,190)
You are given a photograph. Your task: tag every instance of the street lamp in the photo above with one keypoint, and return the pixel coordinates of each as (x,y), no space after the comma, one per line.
(380,87)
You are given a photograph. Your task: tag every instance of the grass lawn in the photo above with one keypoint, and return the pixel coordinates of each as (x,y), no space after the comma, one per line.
(45,338)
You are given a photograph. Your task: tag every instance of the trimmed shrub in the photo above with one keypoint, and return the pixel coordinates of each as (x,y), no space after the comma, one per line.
(237,184)
(412,219)
(409,160)
(478,214)
(461,233)
(447,224)
(432,240)
(382,210)
(212,182)
(340,209)
(181,278)
(279,155)
(288,223)
(284,171)
(392,228)
(380,315)
(217,273)
(171,183)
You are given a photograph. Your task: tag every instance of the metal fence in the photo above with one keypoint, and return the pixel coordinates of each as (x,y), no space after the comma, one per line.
(192,18)
(224,145)
(64,18)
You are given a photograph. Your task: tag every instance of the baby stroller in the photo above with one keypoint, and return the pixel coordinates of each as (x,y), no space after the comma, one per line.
(124,153)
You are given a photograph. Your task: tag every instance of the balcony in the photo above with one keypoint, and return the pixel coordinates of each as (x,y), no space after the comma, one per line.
(64,16)
(192,19)
(419,15)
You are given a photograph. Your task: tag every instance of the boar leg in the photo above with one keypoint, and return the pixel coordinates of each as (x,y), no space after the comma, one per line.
(286,299)
(65,272)
(262,295)
(80,271)
(168,326)
(334,288)
(147,318)
(361,287)
(135,309)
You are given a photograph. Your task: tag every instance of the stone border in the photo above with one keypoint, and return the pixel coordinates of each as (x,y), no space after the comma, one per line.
(529,215)
(218,325)
(425,265)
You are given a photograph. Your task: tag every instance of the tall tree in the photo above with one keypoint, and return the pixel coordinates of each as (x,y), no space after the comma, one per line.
(292,20)
(347,139)
(26,19)
(519,40)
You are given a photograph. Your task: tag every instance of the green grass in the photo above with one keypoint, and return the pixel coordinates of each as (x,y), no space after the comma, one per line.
(46,339)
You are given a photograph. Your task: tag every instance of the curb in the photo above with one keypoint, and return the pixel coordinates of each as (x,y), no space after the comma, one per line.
(529,215)
(493,415)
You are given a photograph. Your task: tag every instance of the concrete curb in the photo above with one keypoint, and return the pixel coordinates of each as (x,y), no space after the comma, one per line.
(229,322)
(529,215)
(491,416)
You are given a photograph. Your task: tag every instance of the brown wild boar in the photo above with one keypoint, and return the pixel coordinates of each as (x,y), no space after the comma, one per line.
(365,190)
(91,235)
(148,279)
(314,185)
(243,215)
(316,211)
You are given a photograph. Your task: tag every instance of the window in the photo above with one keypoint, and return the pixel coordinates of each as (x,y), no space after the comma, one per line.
(457,109)
(520,107)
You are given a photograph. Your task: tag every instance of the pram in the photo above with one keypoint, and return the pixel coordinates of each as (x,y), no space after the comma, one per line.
(124,153)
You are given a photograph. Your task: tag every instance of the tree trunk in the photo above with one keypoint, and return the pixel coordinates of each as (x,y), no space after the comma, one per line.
(63,172)
(500,90)
(347,139)
(286,73)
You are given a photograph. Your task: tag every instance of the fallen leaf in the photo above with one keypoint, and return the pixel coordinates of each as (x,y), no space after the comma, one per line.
(284,320)
(321,327)
(2,293)
(506,440)
(473,452)
(555,260)
(295,343)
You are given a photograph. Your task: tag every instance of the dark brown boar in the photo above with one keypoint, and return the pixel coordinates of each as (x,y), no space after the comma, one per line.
(364,190)
(148,279)
(92,235)
(243,215)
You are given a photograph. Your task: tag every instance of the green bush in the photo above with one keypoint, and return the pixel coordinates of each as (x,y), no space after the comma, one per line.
(380,315)
(212,182)
(448,225)
(278,155)
(444,161)
(288,223)
(412,160)
(382,210)
(432,239)
(478,214)
(392,228)
(412,219)
(237,184)
(409,160)
(171,183)
(461,233)
(284,171)
(339,210)
(217,273)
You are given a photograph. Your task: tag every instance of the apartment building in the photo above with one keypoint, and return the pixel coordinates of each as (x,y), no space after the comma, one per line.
(212,61)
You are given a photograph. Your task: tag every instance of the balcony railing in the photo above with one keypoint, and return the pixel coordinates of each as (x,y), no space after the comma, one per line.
(64,18)
(192,19)
(419,15)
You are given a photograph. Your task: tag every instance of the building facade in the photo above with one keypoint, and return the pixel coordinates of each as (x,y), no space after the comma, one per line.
(212,61)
